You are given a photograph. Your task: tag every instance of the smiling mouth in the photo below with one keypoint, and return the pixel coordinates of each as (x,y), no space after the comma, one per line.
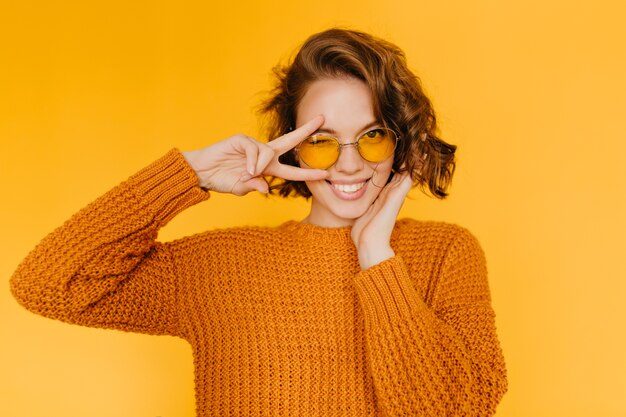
(348,188)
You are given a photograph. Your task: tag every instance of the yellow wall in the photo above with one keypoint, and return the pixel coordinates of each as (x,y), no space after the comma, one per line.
(534,94)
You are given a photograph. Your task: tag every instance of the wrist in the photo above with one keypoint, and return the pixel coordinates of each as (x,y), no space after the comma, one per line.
(191,158)
(369,257)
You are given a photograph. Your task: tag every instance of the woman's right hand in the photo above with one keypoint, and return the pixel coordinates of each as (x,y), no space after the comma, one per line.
(237,164)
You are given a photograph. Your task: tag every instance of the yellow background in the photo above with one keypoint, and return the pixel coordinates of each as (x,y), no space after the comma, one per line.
(533,92)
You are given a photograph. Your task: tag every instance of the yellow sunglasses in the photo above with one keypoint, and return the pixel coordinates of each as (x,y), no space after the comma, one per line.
(322,151)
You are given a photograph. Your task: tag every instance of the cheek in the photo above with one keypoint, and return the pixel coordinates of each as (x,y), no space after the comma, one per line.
(315,186)
(382,174)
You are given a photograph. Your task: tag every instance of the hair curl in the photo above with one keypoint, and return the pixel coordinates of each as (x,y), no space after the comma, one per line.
(398,99)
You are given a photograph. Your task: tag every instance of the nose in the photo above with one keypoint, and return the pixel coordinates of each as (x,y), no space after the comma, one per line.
(349,161)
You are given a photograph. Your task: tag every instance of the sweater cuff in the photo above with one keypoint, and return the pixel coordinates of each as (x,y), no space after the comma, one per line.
(387,293)
(168,186)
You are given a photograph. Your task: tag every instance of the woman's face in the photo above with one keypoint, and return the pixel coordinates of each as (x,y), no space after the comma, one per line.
(353,183)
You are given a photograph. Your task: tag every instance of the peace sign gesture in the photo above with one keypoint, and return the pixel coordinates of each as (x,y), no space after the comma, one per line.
(236,164)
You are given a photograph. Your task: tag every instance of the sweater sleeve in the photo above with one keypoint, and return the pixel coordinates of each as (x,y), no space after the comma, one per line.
(442,359)
(104,267)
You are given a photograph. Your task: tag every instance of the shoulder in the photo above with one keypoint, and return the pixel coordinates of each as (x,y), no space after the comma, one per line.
(224,238)
(449,253)
(442,242)
(433,231)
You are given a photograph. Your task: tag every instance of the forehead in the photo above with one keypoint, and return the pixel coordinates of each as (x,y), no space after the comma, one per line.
(346,104)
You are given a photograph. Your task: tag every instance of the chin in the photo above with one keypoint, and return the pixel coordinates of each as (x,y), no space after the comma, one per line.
(352,211)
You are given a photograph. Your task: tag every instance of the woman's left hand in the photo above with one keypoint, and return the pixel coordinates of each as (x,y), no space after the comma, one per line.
(371,233)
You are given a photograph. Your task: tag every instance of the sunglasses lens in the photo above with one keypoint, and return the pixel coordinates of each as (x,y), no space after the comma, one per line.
(377,145)
(318,151)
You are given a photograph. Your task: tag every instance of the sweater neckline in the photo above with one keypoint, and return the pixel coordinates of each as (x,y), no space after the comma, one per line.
(317,232)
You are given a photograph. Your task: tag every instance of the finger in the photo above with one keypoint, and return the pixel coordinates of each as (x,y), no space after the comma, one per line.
(403,182)
(288,172)
(258,184)
(292,139)
(407,183)
(266,154)
(400,187)
(251,150)
(397,195)
(395,192)
(397,179)
(382,196)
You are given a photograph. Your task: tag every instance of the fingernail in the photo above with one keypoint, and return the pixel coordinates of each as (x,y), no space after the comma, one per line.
(250,170)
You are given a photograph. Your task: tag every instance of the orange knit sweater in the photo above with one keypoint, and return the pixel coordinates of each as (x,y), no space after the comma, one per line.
(281,320)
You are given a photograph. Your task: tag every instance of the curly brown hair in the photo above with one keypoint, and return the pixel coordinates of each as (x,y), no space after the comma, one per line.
(398,99)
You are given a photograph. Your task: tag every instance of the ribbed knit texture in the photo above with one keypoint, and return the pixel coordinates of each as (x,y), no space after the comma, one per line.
(281,320)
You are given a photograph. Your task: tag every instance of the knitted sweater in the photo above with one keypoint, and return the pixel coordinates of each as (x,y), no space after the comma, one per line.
(282,321)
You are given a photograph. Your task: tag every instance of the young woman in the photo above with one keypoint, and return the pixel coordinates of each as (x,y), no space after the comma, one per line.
(348,312)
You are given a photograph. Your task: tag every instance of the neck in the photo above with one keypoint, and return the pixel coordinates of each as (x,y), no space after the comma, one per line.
(322,218)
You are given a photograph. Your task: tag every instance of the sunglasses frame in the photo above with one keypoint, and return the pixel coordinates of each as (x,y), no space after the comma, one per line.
(356,144)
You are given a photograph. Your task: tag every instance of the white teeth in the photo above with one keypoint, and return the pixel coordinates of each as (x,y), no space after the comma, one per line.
(349,188)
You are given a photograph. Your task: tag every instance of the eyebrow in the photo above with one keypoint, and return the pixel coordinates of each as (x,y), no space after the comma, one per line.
(334,132)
